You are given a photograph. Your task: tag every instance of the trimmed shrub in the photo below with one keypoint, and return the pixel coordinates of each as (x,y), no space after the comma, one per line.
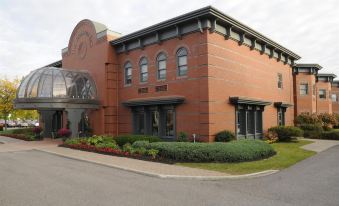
(286,133)
(140,144)
(182,137)
(235,151)
(121,140)
(224,136)
(331,135)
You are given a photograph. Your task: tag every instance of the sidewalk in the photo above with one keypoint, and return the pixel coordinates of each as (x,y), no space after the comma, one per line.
(320,145)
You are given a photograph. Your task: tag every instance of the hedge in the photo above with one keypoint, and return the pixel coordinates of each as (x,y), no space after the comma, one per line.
(331,135)
(235,151)
(121,140)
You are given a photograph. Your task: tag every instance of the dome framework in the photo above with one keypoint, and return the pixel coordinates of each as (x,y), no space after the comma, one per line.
(52,87)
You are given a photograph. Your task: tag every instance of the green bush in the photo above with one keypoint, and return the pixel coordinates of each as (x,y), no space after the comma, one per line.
(139,144)
(182,137)
(307,118)
(152,152)
(121,140)
(235,151)
(286,133)
(331,135)
(224,136)
(22,131)
(312,130)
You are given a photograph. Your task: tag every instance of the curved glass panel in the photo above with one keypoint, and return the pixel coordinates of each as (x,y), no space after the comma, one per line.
(52,82)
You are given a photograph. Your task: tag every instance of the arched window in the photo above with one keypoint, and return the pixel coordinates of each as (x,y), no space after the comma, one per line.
(143,70)
(128,73)
(161,66)
(182,62)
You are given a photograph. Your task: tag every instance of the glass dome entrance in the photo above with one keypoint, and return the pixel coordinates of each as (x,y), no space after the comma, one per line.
(52,82)
(57,88)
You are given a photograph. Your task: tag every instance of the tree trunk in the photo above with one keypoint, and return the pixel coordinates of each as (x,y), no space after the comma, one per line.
(5,122)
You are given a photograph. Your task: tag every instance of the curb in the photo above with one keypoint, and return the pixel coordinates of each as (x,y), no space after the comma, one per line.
(162,176)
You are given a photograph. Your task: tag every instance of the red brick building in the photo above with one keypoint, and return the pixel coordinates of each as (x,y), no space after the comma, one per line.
(198,73)
(312,90)
(335,97)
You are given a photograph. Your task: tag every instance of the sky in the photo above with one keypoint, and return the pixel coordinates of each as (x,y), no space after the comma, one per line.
(33,32)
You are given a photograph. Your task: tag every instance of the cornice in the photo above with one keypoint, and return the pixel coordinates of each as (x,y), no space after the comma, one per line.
(306,68)
(197,21)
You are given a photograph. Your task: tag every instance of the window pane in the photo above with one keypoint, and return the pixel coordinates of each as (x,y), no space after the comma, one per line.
(182,70)
(241,122)
(144,77)
(155,123)
(334,98)
(258,122)
(140,123)
(322,93)
(303,89)
(169,123)
(250,122)
(143,68)
(182,60)
(161,65)
(162,74)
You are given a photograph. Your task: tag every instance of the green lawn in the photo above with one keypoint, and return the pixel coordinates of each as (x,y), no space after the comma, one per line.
(287,154)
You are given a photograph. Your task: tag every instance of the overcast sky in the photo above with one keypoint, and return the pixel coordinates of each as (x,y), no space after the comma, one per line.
(32,33)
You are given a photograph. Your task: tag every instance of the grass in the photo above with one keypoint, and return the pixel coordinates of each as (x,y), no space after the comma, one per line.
(288,154)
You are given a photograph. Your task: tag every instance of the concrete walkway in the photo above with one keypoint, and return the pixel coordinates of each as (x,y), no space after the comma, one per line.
(320,145)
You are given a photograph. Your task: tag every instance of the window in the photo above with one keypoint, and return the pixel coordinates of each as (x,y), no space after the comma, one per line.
(182,62)
(143,70)
(161,66)
(128,73)
(155,120)
(303,89)
(322,93)
(281,116)
(249,121)
(280,81)
(334,98)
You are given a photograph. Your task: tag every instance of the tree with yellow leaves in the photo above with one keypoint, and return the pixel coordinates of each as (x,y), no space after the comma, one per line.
(7,96)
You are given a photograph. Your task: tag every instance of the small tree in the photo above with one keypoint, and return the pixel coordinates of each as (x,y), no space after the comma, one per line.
(328,120)
(7,96)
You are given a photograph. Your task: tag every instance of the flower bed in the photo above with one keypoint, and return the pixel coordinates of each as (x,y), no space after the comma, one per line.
(22,134)
(19,136)
(172,152)
(107,145)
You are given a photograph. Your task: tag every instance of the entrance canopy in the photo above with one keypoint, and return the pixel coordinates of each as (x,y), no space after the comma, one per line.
(53,88)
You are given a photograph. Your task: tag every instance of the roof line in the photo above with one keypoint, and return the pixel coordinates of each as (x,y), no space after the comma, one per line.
(203,12)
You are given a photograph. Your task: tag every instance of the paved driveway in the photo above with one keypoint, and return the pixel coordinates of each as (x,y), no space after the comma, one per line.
(34,178)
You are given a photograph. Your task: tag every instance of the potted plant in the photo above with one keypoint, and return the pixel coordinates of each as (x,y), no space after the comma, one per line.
(64,133)
(37,132)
